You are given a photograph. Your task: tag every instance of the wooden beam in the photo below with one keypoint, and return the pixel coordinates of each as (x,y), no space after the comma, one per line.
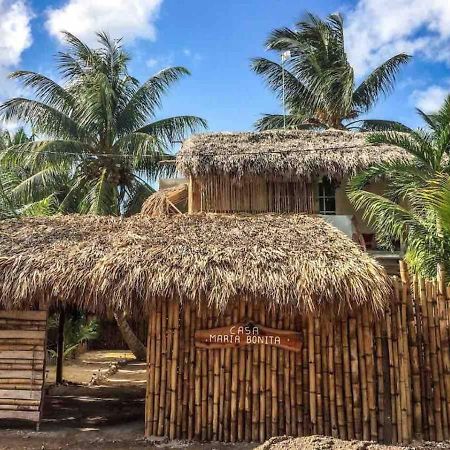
(60,347)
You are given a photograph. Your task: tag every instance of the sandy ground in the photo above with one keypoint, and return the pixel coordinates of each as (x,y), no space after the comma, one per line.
(111,416)
(327,443)
(80,370)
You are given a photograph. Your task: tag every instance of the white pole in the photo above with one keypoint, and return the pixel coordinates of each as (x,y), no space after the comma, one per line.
(284,57)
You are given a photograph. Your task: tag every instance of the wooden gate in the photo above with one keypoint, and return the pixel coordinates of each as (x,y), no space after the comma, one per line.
(22,364)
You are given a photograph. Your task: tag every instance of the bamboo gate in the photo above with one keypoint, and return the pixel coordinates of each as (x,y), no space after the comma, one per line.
(360,377)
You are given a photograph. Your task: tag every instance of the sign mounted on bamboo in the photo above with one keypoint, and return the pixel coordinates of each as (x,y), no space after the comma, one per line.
(247,333)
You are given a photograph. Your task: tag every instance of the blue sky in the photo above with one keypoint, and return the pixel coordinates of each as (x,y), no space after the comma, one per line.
(215,40)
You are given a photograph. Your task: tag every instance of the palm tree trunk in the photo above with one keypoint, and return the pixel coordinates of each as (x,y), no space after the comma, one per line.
(134,344)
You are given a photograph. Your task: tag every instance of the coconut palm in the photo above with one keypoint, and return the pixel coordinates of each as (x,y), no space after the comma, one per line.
(101,145)
(318,82)
(12,176)
(407,210)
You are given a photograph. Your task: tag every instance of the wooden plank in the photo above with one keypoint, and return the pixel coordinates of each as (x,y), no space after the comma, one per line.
(12,408)
(248,333)
(21,334)
(35,374)
(22,347)
(40,316)
(22,355)
(33,416)
(20,394)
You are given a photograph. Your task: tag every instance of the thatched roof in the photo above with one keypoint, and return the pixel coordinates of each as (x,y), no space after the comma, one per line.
(291,154)
(166,202)
(103,263)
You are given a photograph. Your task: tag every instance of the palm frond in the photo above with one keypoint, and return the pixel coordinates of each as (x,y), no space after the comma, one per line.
(173,129)
(293,122)
(380,82)
(42,117)
(46,90)
(101,198)
(147,99)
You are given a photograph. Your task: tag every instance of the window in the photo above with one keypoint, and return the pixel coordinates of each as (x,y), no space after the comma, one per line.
(327,197)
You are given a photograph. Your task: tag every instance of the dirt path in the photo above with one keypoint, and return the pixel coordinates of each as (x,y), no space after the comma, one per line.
(111,417)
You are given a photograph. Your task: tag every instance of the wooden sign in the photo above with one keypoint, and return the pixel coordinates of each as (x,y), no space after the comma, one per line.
(247,333)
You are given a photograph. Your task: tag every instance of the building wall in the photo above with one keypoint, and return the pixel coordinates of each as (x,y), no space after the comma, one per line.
(256,194)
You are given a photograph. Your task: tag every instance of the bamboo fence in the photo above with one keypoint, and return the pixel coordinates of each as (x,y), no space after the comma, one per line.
(359,377)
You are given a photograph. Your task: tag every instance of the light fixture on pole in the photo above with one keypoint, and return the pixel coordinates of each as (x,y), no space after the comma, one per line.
(284,57)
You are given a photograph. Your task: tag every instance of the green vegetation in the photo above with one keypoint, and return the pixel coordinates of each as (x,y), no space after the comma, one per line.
(414,208)
(319,82)
(98,151)
(78,330)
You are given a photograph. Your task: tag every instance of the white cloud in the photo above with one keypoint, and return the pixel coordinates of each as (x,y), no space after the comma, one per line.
(15,31)
(430,99)
(160,62)
(15,38)
(129,19)
(378,29)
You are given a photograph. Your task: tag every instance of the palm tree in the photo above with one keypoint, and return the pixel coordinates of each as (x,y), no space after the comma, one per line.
(407,211)
(11,177)
(99,150)
(318,82)
(101,145)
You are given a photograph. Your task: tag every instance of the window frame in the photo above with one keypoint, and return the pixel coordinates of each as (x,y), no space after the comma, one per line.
(324,196)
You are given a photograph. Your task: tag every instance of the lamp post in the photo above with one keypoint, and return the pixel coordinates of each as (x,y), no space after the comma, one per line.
(284,57)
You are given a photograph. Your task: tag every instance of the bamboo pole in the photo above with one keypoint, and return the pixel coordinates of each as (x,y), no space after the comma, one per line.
(204,382)
(280,384)
(428,372)
(186,388)
(149,401)
(413,321)
(347,381)
(292,387)
(434,364)
(299,382)
(359,385)
(175,310)
(241,384)
(368,343)
(234,383)
(324,335)
(332,382)
(158,354)
(268,379)
(444,334)
(274,382)
(248,383)
(286,382)
(312,377)
(227,393)
(262,382)
(255,382)
(198,381)
(338,370)
(318,366)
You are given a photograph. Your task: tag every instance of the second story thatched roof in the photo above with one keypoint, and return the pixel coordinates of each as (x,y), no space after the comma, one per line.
(285,154)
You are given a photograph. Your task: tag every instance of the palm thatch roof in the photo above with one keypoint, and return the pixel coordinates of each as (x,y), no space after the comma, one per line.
(166,202)
(283,153)
(103,263)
